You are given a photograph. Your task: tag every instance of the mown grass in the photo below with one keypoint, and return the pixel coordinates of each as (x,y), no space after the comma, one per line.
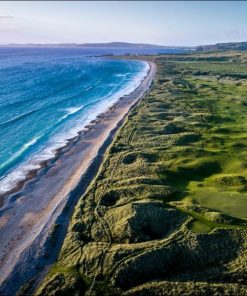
(201,224)
(225,139)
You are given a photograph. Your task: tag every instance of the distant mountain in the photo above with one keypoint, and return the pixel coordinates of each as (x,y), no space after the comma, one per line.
(223,46)
(136,46)
(127,45)
(99,45)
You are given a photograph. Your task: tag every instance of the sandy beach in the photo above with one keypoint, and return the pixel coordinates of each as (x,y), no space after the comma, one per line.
(27,218)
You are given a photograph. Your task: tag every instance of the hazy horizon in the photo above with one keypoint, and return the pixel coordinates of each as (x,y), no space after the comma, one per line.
(174,23)
(85,43)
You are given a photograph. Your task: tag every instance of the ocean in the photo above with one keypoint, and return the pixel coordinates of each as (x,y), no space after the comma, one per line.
(47,96)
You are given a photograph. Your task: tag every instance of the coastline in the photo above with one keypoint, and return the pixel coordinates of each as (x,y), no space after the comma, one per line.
(56,186)
(16,179)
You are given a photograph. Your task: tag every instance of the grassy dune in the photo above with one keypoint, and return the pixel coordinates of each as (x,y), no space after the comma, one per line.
(166,214)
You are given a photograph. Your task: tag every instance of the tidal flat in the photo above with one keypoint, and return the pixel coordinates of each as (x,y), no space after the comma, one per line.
(167,212)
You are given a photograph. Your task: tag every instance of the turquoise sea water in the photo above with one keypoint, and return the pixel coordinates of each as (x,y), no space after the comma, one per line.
(47,97)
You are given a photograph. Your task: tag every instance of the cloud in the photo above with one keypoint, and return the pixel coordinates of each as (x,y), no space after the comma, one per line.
(6,17)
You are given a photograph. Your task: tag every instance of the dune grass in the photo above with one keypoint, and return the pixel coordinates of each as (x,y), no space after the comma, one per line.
(172,188)
(192,132)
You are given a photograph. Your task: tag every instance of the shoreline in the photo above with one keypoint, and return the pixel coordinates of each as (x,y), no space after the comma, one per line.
(36,172)
(56,186)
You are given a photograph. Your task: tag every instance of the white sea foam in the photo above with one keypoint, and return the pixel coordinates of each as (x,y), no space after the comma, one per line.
(7,182)
(92,86)
(19,153)
(71,110)
(121,75)
(61,139)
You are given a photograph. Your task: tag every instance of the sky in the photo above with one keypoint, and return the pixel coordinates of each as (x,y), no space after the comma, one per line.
(178,23)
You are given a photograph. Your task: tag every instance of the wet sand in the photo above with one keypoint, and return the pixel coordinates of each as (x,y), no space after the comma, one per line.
(48,198)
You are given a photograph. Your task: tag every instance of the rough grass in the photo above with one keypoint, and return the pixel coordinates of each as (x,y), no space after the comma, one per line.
(169,202)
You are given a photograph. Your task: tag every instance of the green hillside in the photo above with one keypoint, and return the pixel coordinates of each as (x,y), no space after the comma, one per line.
(167,212)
